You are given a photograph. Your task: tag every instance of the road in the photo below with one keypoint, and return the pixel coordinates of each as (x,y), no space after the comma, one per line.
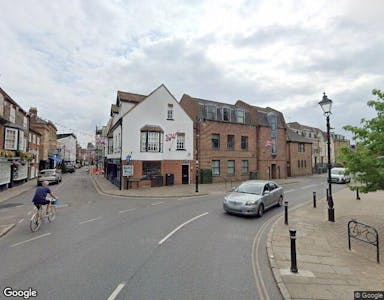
(104,247)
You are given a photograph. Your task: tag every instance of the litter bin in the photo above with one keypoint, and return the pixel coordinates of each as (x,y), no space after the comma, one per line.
(156,180)
(253,175)
(169,179)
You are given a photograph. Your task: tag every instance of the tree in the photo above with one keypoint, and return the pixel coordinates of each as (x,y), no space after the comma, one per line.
(366,161)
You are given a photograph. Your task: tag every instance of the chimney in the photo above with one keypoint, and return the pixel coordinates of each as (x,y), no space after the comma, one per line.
(33,112)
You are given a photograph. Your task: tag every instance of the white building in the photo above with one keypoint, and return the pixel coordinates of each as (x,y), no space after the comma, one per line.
(67,145)
(153,135)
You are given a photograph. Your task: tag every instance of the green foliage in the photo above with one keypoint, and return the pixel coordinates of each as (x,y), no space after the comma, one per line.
(366,162)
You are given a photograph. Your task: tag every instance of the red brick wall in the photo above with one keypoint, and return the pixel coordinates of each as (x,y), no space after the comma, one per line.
(207,154)
(266,162)
(295,156)
(167,166)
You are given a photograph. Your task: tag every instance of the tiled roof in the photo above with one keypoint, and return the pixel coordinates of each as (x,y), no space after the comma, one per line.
(130,97)
(292,136)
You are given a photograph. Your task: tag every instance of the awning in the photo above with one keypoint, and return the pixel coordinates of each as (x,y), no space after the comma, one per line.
(56,159)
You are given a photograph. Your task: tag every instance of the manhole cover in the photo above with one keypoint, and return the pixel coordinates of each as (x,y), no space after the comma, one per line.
(8,205)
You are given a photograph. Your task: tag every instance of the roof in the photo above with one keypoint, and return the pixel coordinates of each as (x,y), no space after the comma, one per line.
(8,98)
(130,97)
(64,135)
(292,136)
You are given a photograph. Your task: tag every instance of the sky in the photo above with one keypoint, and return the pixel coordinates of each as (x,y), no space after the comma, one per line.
(69,58)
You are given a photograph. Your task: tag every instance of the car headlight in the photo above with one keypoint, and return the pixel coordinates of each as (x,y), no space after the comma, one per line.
(249,203)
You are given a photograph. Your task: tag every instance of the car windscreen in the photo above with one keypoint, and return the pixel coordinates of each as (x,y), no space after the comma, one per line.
(337,171)
(47,173)
(250,188)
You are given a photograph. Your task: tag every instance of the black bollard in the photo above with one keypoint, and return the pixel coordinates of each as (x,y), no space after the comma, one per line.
(314,199)
(327,194)
(292,234)
(357,194)
(286,212)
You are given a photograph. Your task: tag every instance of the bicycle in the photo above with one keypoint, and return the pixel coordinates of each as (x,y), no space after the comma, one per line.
(41,214)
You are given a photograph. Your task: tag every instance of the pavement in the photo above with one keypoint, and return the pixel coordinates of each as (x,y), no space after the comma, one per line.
(327,269)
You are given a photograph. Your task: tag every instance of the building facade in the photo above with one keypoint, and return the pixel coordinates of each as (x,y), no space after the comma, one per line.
(67,144)
(299,155)
(48,150)
(34,139)
(150,141)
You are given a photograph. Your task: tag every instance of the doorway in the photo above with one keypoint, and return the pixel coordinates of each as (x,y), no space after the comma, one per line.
(185,174)
(273,171)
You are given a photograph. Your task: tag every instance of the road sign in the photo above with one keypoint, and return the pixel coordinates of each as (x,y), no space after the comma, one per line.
(127,170)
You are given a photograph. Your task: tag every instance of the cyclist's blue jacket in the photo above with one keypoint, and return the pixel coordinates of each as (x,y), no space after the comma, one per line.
(41,194)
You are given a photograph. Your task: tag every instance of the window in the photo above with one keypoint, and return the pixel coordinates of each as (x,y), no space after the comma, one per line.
(21,140)
(34,139)
(215,167)
(298,164)
(10,139)
(240,116)
(231,142)
(30,138)
(211,112)
(25,122)
(170,112)
(12,115)
(226,114)
(110,146)
(231,167)
(244,167)
(274,146)
(151,141)
(301,147)
(180,145)
(215,141)
(244,143)
(305,164)
(38,140)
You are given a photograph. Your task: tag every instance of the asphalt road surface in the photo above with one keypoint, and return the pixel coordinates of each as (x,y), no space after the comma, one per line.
(105,247)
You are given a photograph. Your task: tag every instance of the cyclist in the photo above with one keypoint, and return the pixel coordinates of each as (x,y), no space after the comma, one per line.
(40,197)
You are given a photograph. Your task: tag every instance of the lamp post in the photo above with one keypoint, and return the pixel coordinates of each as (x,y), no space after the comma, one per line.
(197,157)
(326,105)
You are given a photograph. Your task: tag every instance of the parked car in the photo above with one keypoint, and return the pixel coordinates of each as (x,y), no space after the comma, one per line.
(338,176)
(68,168)
(253,197)
(50,175)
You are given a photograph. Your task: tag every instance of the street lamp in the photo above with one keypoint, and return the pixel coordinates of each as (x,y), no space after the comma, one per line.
(326,105)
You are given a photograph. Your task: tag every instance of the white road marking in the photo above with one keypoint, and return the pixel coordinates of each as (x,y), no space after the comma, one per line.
(21,221)
(117,291)
(90,220)
(308,186)
(32,239)
(181,226)
(29,213)
(19,206)
(157,203)
(289,191)
(127,210)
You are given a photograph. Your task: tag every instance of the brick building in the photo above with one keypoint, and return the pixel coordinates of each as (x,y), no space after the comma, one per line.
(271,141)
(225,139)
(34,139)
(299,154)
(14,130)
(48,151)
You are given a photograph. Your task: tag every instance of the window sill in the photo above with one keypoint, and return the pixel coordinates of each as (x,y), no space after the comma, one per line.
(170,119)
(181,149)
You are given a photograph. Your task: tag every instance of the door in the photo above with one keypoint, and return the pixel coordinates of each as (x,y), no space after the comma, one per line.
(185,174)
(273,171)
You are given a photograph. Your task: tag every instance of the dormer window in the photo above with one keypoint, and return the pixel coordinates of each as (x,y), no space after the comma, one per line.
(170,112)
(240,116)
(226,114)
(211,112)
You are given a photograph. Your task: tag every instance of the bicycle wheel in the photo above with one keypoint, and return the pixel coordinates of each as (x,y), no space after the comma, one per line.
(35,222)
(52,213)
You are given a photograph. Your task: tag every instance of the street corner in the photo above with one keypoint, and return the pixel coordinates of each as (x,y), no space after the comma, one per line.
(4,229)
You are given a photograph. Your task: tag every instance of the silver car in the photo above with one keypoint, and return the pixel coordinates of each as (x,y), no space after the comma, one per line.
(50,175)
(252,197)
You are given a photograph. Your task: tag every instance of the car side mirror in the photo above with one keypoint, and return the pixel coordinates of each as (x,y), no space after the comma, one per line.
(266,193)
(233,188)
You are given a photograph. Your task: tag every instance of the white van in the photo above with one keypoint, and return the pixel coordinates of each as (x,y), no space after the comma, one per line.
(338,176)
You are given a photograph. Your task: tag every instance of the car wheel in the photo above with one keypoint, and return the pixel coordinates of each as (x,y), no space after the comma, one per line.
(260,210)
(280,201)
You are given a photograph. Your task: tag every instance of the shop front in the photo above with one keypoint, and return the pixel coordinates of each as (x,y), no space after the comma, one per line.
(113,171)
